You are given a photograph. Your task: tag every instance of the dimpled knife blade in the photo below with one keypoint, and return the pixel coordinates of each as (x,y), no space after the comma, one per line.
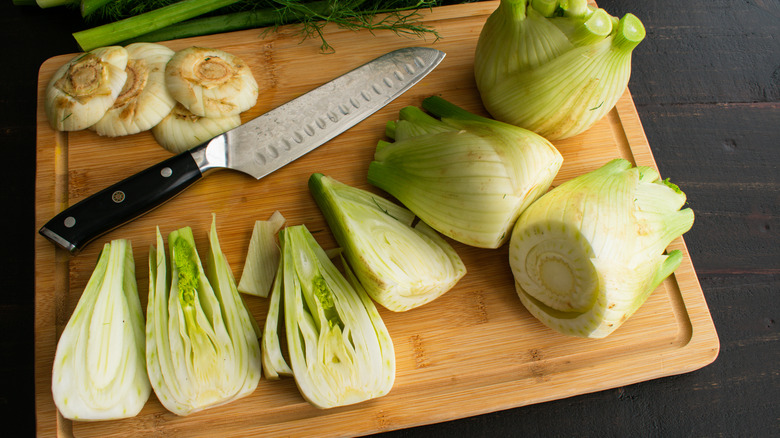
(257,148)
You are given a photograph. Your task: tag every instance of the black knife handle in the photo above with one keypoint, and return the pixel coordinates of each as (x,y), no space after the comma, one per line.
(109,208)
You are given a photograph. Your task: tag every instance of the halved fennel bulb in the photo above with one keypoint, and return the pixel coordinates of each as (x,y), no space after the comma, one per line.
(202,347)
(99,369)
(82,90)
(466,176)
(339,348)
(586,255)
(144,100)
(401,265)
(211,82)
(182,130)
(554,67)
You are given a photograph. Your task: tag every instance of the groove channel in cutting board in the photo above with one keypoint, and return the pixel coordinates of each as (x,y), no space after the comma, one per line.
(472,351)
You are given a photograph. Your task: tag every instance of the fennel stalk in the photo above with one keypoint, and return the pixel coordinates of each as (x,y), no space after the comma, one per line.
(160,20)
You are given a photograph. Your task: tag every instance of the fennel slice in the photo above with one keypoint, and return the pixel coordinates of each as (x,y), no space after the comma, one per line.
(274,362)
(211,82)
(82,90)
(262,258)
(144,100)
(182,130)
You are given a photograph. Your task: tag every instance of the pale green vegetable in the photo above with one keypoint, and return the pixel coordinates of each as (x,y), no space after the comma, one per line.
(401,265)
(554,67)
(262,258)
(340,351)
(274,363)
(99,370)
(202,347)
(586,255)
(466,176)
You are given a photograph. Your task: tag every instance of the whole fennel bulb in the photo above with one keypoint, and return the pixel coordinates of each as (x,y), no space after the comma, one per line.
(554,67)
(586,255)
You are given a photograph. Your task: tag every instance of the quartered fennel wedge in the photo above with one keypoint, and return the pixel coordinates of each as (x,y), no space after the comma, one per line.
(99,367)
(340,351)
(202,347)
(400,263)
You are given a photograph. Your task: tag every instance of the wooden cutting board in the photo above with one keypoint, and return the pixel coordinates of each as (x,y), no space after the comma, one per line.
(472,351)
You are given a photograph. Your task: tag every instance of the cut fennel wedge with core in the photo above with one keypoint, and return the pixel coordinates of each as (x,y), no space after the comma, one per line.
(99,369)
(202,347)
(587,255)
(339,349)
(401,264)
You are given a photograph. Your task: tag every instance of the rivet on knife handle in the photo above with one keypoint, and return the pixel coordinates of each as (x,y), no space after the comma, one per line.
(258,147)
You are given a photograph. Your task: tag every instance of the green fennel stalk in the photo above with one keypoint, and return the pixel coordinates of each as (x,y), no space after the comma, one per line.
(162,20)
(399,16)
(44,3)
(215,24)
(122,30)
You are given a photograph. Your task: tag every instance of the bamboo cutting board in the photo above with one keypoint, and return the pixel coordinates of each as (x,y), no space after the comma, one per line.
(472,351)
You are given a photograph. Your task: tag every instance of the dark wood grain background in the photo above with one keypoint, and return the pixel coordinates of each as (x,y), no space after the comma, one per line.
(706,82)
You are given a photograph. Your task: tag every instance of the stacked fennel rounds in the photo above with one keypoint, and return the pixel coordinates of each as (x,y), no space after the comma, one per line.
(585,255)
(184,97)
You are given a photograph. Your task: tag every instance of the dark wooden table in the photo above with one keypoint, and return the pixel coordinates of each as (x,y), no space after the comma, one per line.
(706,83)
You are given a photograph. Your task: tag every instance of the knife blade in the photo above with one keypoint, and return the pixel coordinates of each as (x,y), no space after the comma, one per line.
(257,148)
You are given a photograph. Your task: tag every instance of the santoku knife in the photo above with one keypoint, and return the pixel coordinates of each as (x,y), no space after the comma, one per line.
(258,147)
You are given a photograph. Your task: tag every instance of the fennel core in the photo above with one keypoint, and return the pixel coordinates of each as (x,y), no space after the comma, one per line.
(187,272)
(82,90)
(137,74)
(188,276)
(325,297)
(83,78)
